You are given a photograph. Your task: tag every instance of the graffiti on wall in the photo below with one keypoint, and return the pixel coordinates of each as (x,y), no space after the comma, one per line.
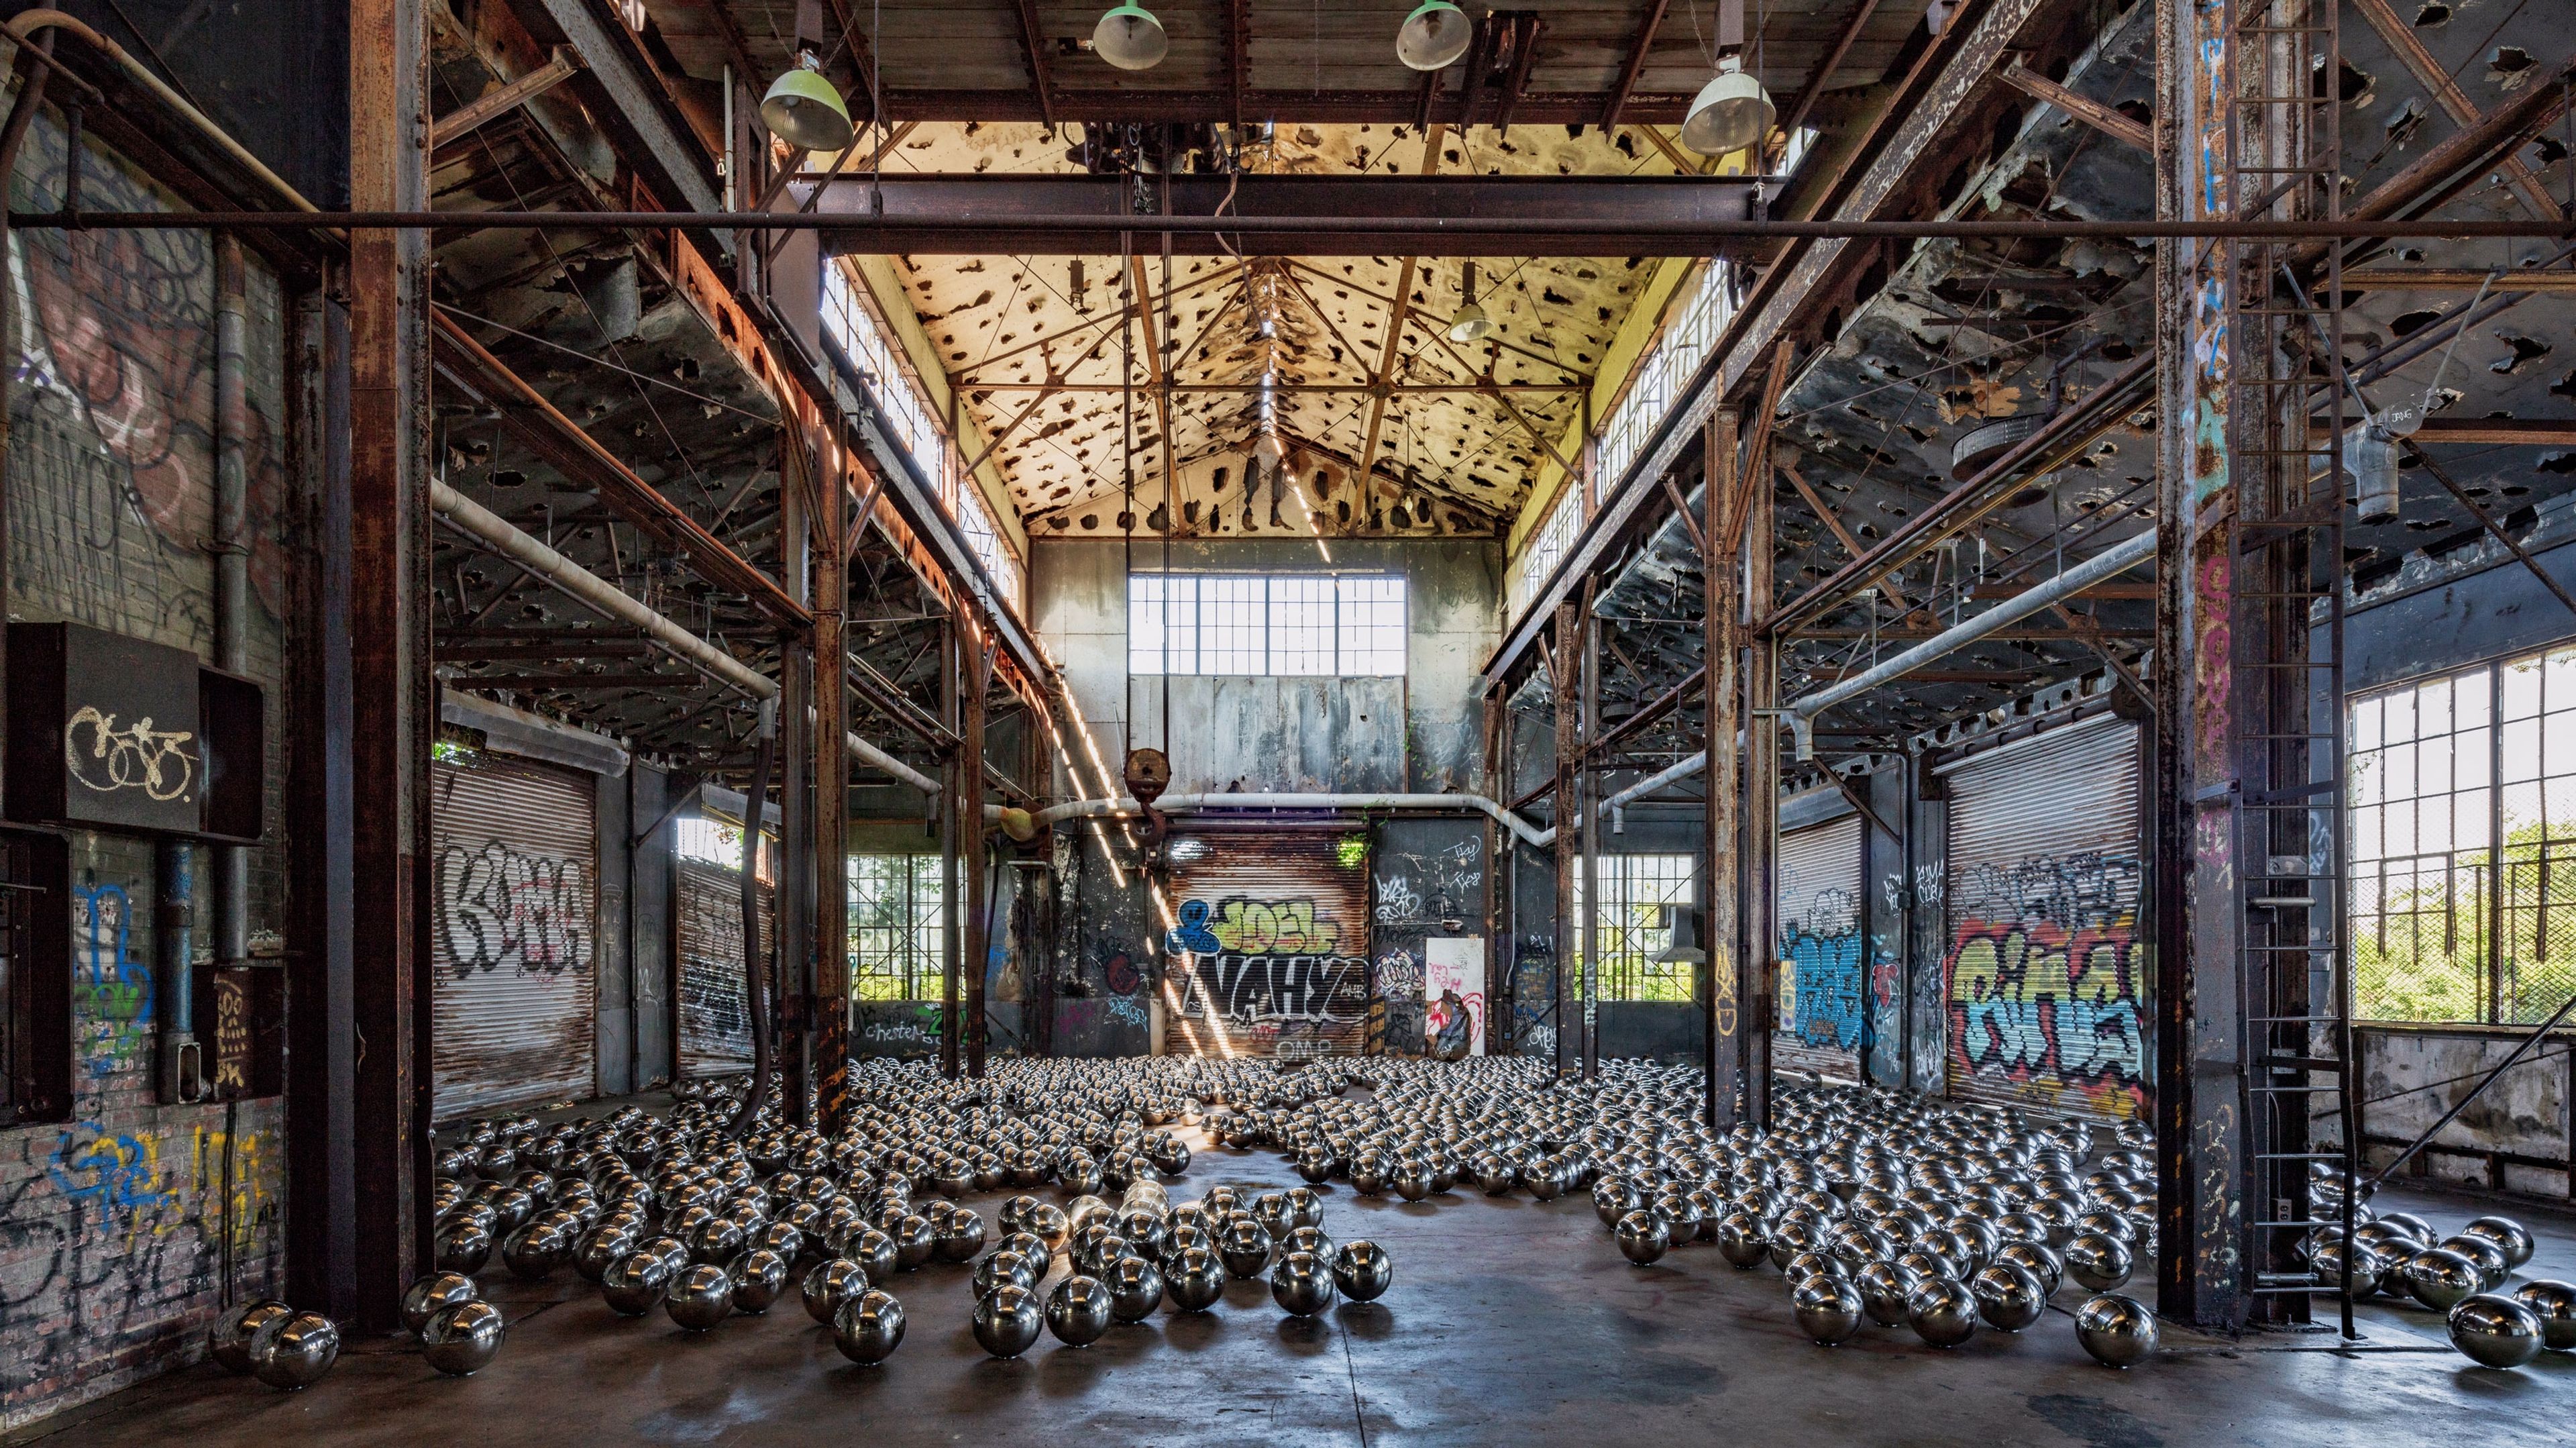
(1820,957)
(111,990)
(503,907)
(2044,980)
(1267,970)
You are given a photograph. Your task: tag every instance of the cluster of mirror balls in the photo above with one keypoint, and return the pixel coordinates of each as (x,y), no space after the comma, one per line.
(1876,1207)
(1941,1217)
(671,1212)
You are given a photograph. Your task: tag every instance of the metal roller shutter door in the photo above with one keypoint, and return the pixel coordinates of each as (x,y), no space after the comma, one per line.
(1273,945)
(715,1021)
(2042,976)
(1820,949)
(515,945)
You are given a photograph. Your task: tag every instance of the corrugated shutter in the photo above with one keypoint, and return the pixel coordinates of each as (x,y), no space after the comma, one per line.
(1820,949)
(515,946)
(1273,942)
(715,1020)
(2043,977)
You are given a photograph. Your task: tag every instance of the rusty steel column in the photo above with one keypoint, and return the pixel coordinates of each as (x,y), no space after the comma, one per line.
(969,808)
(1721,626)
(791,986)
(389,677)
(828,1009)
(1499,858)
(2200,1132)
(1567,688)
(1761,666)
(952,775)
(1586,771)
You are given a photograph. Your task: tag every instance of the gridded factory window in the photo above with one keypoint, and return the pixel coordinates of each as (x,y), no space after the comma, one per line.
(897,938)
(1640,896)
(2457,783)
(1295,624)
(719,843)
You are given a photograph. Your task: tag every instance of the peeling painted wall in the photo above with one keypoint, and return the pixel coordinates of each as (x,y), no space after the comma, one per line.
(1422,732)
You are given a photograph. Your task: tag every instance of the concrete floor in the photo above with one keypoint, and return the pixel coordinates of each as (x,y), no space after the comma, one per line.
(1510,1322)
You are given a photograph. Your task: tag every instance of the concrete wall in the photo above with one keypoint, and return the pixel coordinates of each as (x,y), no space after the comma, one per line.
(120,1223)
(2515,1136)
(1421,732)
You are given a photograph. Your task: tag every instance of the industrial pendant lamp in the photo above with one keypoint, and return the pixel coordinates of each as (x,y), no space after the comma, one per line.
(1434,36)
(1130,38)
(804,110)
(1469,322)
(1732,112)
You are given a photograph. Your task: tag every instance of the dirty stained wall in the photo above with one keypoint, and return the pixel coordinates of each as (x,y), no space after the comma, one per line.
(1420,733)
(125,1227)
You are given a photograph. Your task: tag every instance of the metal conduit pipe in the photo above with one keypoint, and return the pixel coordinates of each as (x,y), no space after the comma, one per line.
(470,517)
(1800,715)
(1528,833)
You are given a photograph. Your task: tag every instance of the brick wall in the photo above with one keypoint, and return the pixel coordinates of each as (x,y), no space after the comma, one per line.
(126,1228)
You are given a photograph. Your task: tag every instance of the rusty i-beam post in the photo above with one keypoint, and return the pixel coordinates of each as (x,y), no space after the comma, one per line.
(1584,777)
(969,808)
(792,907)
(1567,687)
(829,1009)
(951,657)
(372,1002)
(1721,637)
(1761,665)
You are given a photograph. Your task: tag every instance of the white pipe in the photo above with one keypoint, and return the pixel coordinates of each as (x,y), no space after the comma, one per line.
(1122,808)
(598,593)
(2117,559)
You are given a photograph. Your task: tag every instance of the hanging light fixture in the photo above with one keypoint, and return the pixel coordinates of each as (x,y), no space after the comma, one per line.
(1732,112)
(804,110)
(1434,36)
(1130,38)
(1469,322)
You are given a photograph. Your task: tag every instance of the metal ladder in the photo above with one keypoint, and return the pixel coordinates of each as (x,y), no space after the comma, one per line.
(2287,415)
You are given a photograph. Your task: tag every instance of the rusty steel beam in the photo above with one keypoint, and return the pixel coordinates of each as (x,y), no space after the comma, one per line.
(1419,229)
(569,447)
(2082,107)
(2457,279)
(1721,630)
(508,96)
(1794,115)
(1636,62)
(1033,43)
(1219,104)
(1433,136)
(827,1014)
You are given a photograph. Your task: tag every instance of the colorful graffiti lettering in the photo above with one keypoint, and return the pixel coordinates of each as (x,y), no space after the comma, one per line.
(111,990)
(1399,975)
(119,1174)
(1251,927)
(1820,956)
(502,906)
(2044,984)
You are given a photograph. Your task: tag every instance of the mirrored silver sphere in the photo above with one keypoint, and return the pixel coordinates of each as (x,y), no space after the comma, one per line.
(292,1353)
(1078,1312)
(2554,1303)
(830,1286)
(868,1328)
(759,1275)
(1942,1312)
(2440,1278)
(461,1339)
(700,1297)
(2494,1330)
(635,1282)
(2118,1331)
(1301,1284)
(1362,1270)
(1827,1308)
(229,1339)
(427,1297)
(1008,1319)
